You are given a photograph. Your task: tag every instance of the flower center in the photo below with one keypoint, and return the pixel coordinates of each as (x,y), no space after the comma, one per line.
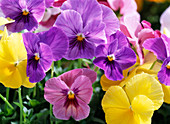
(70,94)
(80,37)
(111,57)
(37,57)
(25,12)
(168,66)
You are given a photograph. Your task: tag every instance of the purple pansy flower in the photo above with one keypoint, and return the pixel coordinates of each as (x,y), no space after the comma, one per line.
(42,49)
(26,13)
(82,23)
(115,56)
(70,93)
(161,48)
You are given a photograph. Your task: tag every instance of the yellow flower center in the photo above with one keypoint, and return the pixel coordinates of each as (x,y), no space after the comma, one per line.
(168,66)
(25,12)
(70,94)
(36,56)
(111,57)
(80,37)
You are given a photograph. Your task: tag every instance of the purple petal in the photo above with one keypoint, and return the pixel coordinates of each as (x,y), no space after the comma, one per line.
(31,42)
(167,42)
(89,12)
(53,91)
(126,57)
(49,3)
(113,71)
(35,71)
(164,73)
(110,19)
(46,56)
(94,32)
(70,22)
(32,24)
(82,87)
(99,61)
(157,46)
(122,39)
(112,47)
(57,41)
(101,51)
(37,8)
(79,49)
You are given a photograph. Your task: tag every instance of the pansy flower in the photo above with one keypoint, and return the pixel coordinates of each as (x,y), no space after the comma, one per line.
(70,93)
(26,13)
(135,103)
(13,61)
(42,49)
(83,24)
(115,56)
(161,48)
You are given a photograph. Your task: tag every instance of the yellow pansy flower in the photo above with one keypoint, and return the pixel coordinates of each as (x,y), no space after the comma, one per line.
(13,61)
(135,102)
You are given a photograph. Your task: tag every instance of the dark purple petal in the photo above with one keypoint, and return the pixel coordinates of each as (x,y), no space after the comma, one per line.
(89,9)
(35,71)
(113,71)
(126,57)
(164,73)
(99,61)
(31,42)
(31,24)
(46,56)
(80,49)
(101,51)
(112,47)
(70,22)
(57,41)
(94,32)
(122,39)
(110,19)
(157,46)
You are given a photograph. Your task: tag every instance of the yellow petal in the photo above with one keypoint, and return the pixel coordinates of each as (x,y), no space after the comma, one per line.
(115,97)
(1,32)
(166,90)
(4,21)
(145,84)
(143,107)
(22,69)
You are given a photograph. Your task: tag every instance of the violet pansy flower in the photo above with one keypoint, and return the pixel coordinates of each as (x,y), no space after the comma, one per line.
(161,48)
(42,49)
(70,93)
(115,56)
(82,23)
(26,13)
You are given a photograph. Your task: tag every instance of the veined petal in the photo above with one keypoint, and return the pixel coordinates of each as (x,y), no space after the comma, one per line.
(126,57)
(112,47)
(53,91)
(101,51)
(70,22)
(151,88)
(99,61)
(57,41)
(157,46)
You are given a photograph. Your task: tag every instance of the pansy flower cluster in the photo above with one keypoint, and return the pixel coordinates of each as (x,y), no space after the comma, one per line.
(133,58)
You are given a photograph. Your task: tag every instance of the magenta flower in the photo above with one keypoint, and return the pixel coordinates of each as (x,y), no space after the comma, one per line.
(85,25)
(115,56)
(42,49)
(161,48)
(26,13)
(70,93)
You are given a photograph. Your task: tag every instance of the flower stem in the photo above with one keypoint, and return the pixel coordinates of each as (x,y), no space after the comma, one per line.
(20,102)
(4,99)
(52,74)
(7,97)
(152,65)
(79,63)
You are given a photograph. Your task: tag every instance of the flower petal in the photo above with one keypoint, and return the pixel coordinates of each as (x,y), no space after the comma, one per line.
(126,57)
(99,61)
(157,46)
(100,51)
(57,41)
(112,47)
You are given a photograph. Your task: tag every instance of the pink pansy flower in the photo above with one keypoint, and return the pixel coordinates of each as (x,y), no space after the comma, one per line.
(137,32)
(70,93)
